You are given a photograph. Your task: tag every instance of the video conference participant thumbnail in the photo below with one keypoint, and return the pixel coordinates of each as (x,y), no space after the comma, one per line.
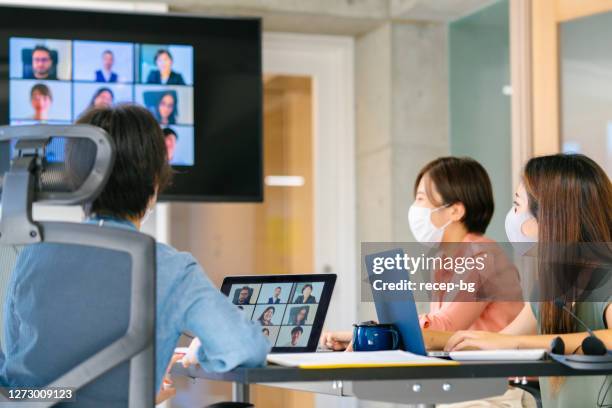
(308,293)
(97,95)
(170,105)
(300,315)
(106,74)
(43,63)
(103,98)
(164,73)
(244,294)
(165,109)
(42,101)
(166,64)
(275,293)
(269,315)
(40,59)
(171,139)
(293,336)
(271,333)
(179,145)
(104,61)
(184,153)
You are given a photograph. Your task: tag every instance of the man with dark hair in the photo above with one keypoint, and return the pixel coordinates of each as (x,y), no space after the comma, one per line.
(296,333)
(171,138)
(140,168)
(244,296)
(42,64)
(275,298)
(187,301)
(41,99)
(106,74)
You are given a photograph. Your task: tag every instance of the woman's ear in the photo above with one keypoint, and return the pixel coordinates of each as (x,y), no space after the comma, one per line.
(457,211)
(530,228)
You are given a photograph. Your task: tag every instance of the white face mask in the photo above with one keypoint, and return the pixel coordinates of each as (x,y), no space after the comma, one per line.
(421,226)
(514,226)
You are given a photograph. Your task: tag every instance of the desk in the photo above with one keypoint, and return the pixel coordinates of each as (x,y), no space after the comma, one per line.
(427,384)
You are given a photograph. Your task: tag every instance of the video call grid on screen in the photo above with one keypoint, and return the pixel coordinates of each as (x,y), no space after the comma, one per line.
(286,311)
(289,310)
(55,81)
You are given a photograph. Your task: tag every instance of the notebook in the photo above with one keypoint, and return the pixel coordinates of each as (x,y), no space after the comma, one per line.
(393,358)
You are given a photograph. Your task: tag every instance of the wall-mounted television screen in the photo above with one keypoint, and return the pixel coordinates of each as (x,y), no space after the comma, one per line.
(199,76)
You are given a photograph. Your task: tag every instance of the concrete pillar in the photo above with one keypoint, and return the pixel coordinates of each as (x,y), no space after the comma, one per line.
(402,120)
(402,123)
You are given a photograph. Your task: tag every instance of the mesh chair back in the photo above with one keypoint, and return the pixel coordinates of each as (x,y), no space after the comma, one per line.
(80,298)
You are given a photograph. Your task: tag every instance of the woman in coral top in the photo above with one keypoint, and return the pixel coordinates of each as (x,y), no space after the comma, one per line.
(454,204)
(452,209)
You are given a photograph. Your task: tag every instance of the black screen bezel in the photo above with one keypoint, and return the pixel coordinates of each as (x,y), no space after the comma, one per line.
(227,91)
(329,280)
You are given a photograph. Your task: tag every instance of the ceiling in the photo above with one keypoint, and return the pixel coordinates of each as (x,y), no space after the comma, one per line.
(347,17)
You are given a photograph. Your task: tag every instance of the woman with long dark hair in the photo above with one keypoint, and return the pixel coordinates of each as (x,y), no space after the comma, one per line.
(300,316)
(165,111)
(265,319)
(564,203)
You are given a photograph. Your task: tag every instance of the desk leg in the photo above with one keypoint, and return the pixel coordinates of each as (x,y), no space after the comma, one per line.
(240,392)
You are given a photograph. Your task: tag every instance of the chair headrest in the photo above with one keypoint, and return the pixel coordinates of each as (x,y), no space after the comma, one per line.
(51,164)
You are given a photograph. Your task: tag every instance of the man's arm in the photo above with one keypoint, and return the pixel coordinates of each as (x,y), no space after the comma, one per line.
(228,338)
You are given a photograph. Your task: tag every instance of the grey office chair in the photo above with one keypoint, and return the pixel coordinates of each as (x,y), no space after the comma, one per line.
(96,280)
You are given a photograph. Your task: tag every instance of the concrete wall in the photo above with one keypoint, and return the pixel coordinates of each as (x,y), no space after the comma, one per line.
(402,123)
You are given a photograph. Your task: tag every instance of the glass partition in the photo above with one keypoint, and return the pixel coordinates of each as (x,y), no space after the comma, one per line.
(479,68)
(586,87)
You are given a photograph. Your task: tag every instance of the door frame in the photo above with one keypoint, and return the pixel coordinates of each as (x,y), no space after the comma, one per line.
(329,61)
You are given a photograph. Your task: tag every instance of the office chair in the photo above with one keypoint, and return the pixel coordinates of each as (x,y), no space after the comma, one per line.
(93,280)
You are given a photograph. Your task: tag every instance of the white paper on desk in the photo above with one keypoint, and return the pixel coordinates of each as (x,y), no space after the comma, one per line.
(395,358)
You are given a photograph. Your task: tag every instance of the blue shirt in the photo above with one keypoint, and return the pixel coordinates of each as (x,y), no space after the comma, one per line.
(186,301)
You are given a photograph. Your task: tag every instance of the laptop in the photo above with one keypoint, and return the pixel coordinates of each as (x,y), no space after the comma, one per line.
(290,309)
(400,310)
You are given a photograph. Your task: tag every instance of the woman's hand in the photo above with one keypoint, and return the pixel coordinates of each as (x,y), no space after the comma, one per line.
(337,341)
(480,340)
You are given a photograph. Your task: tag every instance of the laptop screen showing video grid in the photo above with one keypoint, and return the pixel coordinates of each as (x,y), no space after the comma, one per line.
(289,313)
